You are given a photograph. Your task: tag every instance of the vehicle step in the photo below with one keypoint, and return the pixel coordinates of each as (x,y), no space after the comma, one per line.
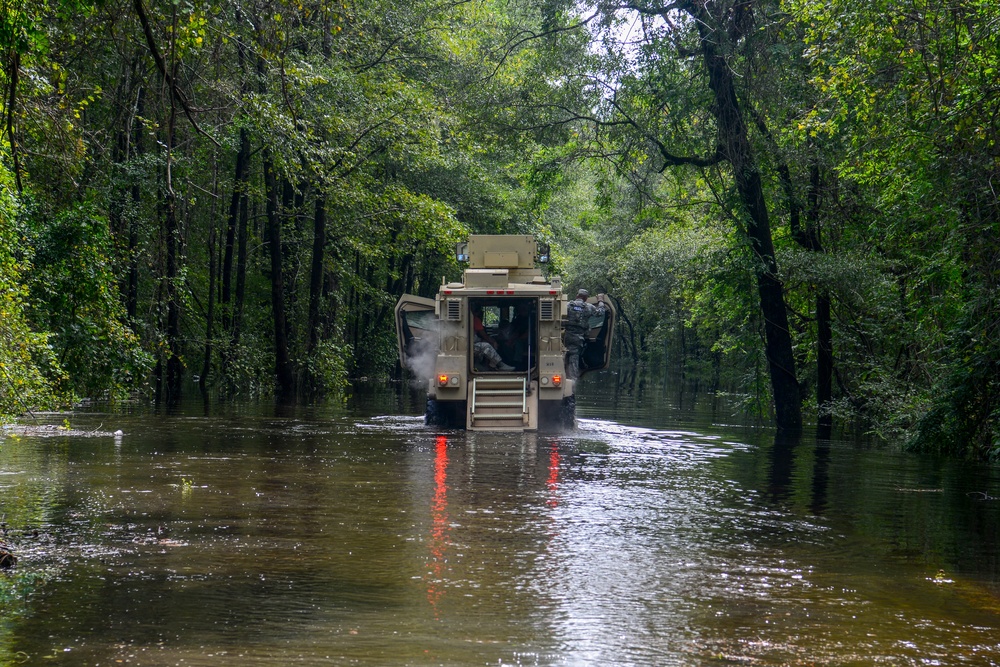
(499,415)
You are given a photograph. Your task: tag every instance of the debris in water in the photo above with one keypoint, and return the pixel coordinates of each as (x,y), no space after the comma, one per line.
(7,558)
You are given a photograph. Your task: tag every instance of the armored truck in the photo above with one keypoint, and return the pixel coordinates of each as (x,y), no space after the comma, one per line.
(490,347)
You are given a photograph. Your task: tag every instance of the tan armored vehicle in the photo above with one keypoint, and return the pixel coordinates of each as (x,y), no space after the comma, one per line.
(506,304)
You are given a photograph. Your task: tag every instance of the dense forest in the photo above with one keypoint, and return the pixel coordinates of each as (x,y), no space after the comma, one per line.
(795,199)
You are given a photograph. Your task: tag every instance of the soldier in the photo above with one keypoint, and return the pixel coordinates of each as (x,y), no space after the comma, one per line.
(578,314)
(485,346)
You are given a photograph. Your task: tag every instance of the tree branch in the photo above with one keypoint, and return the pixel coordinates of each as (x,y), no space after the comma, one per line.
(161,65)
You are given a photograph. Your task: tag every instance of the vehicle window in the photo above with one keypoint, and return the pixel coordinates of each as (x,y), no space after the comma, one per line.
(491,316)
(422,319)
(596,320)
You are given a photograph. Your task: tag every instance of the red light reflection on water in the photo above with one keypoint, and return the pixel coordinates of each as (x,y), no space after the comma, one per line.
(552,483)
(439,523)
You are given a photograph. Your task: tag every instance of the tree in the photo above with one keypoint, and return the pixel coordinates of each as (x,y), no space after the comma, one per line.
(651,98)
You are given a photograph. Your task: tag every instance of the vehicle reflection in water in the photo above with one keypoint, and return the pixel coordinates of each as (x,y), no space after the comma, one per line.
(368,539)
(482,451)
(553,481)
(439,524)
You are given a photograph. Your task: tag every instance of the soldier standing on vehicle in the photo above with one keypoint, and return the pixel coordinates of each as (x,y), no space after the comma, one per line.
(578,314)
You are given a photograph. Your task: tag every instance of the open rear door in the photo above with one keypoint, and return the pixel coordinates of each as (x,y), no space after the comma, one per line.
(600,334)
(416,332)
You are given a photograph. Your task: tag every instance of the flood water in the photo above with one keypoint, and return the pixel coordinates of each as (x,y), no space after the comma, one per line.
(660,532)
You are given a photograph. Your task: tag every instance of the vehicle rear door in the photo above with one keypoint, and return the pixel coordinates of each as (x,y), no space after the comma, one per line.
(416,328)
(600,335)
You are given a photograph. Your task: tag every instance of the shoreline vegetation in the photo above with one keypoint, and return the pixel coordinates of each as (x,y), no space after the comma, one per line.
(797,200)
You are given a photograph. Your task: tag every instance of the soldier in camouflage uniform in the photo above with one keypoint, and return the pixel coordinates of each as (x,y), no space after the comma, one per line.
(485,347)
(578,314)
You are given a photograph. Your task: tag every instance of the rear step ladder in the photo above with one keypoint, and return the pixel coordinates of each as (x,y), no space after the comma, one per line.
(499,403)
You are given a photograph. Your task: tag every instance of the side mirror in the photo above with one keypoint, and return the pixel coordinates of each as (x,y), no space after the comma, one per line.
(543,253)
(462,252)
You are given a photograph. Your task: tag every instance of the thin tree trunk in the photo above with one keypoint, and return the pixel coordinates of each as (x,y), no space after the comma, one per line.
(132,291)
(289,227)
(175,365)
(213,266)
(316,272)
(242,237)
(236,232)
(331,292)
(240,179)
(206,365)
(354,305)
(13,74)
(824,328)
(282,361)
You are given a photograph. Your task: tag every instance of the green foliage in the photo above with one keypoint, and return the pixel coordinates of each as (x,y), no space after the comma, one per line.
(28,366)
(393,114)
(327,366)
(874,130)
(249,369)
(964,416)
(906,90)
(74,297)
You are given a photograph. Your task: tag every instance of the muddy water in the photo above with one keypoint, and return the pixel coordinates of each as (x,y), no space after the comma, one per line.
(655,534)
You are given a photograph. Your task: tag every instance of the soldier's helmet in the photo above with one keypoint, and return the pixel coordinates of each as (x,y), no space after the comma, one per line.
(584,293)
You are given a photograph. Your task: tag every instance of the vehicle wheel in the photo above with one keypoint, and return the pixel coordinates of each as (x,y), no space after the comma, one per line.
(567,414)
(449,414)
(432,415)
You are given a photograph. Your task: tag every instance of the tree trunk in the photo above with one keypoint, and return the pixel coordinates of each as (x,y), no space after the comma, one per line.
(736,146)
(206,365)
(13,74)
(132,291)
(242,236)
(282,361)
(123,213)
(824,329)
(240,179)
(316,272)
(175,363)
(809,238)
(236,228)
(289,227)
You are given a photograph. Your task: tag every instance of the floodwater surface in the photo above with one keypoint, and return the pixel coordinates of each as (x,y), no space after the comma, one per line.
(654,534)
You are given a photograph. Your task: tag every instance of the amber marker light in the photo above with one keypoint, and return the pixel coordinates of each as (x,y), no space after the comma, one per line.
(443,380)
(556,380)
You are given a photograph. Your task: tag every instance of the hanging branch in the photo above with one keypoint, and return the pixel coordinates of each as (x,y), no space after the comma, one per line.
(14,66)
(161,65)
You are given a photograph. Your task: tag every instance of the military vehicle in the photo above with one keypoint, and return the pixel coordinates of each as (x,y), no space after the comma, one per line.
(505,299)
